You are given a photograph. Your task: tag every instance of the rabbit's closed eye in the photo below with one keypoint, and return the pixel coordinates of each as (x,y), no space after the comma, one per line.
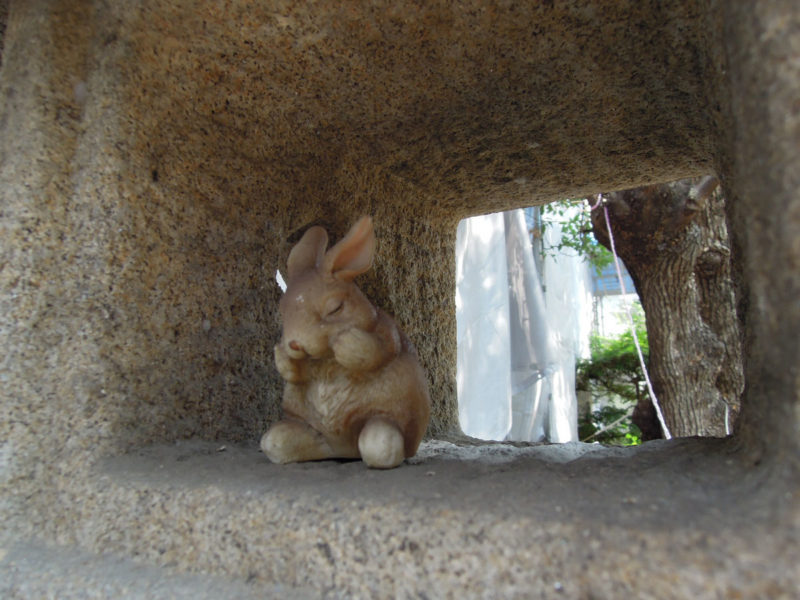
(333,306)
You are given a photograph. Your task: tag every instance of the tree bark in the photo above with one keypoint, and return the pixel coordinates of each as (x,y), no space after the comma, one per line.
(673,240)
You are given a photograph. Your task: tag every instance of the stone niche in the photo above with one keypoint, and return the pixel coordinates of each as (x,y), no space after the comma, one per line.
(159,159)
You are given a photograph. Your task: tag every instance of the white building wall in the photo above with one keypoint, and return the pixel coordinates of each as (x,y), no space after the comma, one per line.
(516,367)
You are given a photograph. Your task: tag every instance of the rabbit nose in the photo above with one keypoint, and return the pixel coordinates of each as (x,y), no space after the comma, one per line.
(295,350)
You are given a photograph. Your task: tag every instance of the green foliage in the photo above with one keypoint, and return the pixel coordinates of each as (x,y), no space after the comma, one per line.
(576,232)
(614,377)
(610,425)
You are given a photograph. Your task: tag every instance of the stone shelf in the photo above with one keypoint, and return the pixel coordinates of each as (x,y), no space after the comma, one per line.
(671,518)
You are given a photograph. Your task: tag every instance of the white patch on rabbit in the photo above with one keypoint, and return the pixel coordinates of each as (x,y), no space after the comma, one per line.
(281,282)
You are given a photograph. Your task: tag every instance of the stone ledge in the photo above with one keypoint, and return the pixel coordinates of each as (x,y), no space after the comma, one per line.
(32,569)
(677,519)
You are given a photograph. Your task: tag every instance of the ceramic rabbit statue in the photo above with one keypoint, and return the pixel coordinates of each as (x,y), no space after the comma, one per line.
(354,386)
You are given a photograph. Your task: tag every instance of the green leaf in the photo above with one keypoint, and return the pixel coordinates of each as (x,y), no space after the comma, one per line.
(576,233)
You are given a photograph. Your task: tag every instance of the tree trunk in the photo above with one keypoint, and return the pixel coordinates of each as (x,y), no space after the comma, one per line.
(673,240)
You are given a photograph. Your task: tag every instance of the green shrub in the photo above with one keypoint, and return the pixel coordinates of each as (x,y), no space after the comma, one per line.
(614,378)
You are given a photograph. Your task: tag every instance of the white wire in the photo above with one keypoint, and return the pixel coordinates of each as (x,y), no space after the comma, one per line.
(727,419)
(653,398)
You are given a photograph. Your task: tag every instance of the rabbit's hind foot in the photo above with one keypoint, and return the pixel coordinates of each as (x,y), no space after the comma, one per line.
(381,444)
(294,441)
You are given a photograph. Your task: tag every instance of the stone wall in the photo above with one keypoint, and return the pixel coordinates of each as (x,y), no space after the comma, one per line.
(175,151)
(159,159)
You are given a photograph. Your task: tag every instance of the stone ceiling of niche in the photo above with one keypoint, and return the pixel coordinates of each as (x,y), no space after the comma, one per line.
(460,99)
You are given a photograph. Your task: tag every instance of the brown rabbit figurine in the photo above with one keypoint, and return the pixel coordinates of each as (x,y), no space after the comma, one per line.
(354,386)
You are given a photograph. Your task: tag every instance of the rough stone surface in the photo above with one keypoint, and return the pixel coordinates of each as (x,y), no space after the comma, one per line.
(34,569)
(686,519)
(760,161)
(159,159)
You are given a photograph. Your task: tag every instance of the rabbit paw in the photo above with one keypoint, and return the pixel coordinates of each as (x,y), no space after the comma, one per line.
(380,444)
(294,441)
(290,369)
(358,350)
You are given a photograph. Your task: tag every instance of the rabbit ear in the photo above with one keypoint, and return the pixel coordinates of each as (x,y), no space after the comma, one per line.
(308,252)
(354,253)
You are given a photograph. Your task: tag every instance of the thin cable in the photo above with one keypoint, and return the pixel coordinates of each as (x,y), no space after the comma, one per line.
(653,398)
(727,419)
